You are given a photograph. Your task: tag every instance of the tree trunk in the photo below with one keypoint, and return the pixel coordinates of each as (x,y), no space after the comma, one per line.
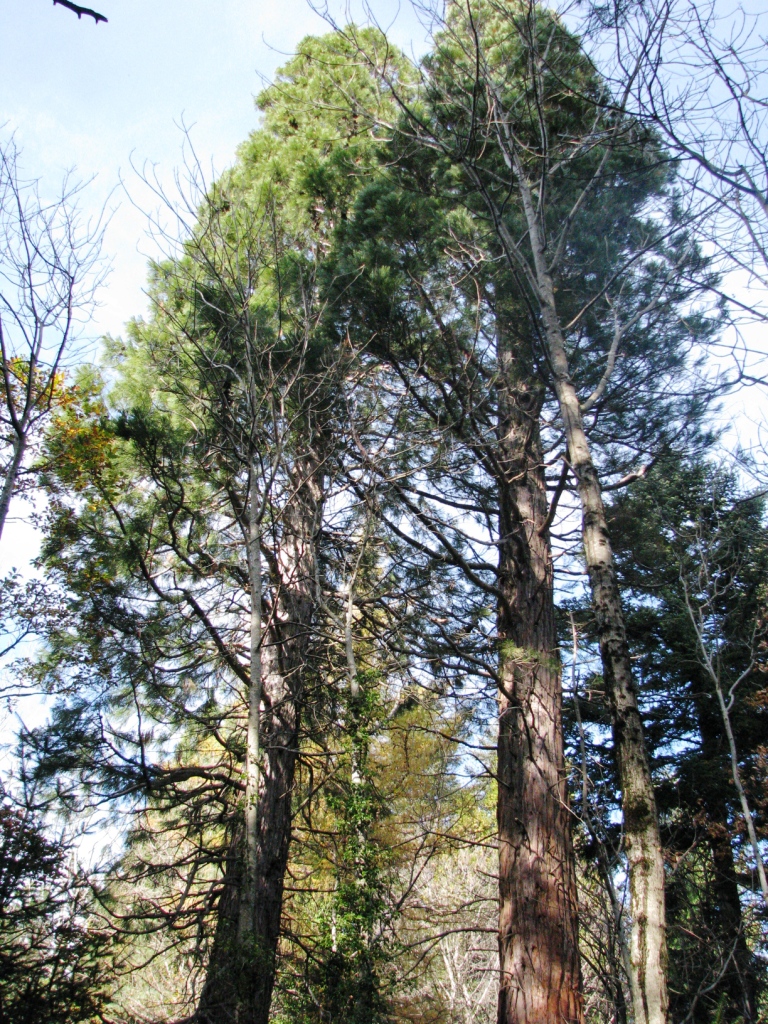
(740,978)
(538,923)
(218,999)
(253,736)
(251,959)
(241,971)
(648,941)
(11,476)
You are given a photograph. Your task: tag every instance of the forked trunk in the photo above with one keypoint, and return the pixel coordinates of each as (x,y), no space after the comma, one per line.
(538,923)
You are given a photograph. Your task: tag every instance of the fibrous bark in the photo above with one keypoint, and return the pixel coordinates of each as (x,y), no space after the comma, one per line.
(648,941)
(538,925)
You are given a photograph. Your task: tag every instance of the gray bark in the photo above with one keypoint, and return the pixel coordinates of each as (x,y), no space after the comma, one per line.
(253,736)
(249,954)
(11,476)
(648,942)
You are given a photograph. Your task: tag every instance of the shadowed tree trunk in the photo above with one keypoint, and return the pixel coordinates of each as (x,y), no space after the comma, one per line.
(740,980)
(218,999)
(241,972)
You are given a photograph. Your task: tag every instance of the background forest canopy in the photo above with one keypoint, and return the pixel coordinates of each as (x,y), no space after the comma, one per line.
(401,600)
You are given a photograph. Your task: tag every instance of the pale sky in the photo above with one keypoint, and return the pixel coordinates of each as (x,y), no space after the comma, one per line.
(98,97)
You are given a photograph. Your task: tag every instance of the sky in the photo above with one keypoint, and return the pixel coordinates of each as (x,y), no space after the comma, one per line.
(103,99)
(108,100)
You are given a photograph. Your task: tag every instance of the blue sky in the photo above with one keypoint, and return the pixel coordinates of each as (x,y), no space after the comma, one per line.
(98,97)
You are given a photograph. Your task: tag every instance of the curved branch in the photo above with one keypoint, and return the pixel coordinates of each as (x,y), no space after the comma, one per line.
(80,11)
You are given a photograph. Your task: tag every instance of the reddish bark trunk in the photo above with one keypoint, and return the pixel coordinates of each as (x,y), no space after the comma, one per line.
(648,938)
(538,924)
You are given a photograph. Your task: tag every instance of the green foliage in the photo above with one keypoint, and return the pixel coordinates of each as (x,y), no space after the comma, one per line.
(340,296)
(693,556)
(345,978)
(55,955)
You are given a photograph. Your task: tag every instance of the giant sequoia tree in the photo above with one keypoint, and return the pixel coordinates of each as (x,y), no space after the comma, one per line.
(563,186)
(463,329)
(451,331)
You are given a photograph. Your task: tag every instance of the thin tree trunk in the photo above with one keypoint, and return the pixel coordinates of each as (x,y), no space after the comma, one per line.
(728,922)
(618,949)
(253,739)
(538,923)
(745,808)
(283,653)
(11,476)
(648,941)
